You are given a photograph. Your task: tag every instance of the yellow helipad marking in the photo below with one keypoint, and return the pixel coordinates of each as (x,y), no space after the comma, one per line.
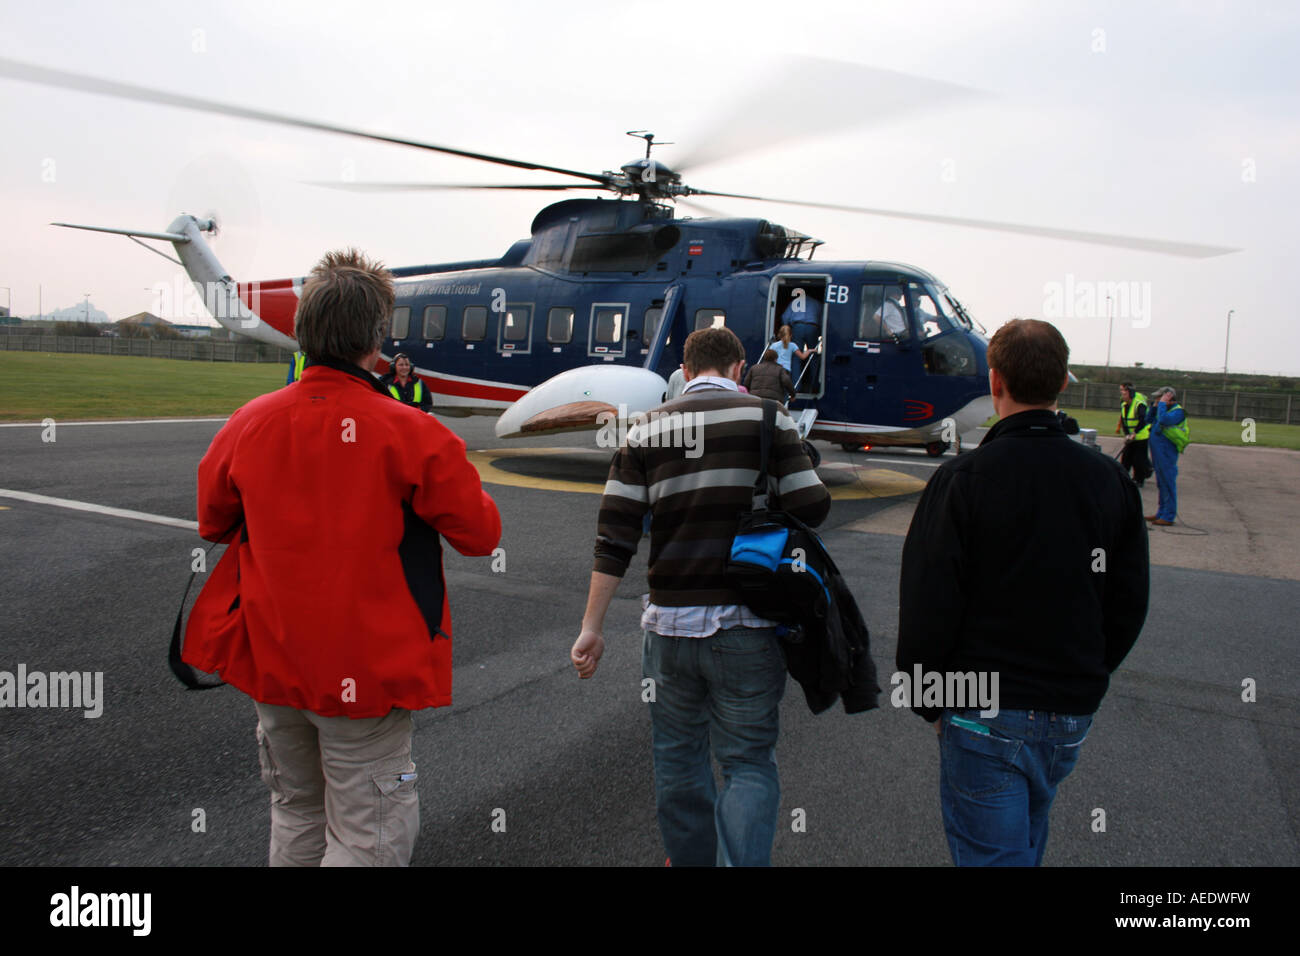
(862,483)
(485,461)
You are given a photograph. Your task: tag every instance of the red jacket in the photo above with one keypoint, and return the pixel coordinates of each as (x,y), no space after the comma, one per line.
(333,600)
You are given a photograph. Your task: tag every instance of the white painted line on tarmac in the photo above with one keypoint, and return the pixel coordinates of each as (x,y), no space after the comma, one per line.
(127,421)
(868,462)
(98,509)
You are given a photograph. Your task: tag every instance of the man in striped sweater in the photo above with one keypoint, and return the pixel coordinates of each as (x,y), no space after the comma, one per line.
(717,669)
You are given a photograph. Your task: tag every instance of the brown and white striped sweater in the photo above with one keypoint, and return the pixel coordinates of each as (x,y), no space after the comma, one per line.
(693,462)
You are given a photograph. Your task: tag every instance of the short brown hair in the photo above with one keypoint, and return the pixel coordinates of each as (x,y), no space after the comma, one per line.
(1032,358)
(769,356)
(345,307)
(714,349)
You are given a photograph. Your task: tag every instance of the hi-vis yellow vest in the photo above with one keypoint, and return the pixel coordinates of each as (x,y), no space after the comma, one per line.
(1180,435)
(416,395)
(1129,414)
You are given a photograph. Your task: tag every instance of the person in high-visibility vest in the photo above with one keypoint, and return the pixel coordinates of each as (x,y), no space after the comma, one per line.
(297,362)
(1169,436)
(405,386)
(1132,424)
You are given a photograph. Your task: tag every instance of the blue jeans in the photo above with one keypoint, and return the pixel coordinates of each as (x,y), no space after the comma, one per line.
(996,789)
(725,689)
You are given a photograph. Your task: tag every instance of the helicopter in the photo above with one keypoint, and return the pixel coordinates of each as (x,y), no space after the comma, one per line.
(586,318)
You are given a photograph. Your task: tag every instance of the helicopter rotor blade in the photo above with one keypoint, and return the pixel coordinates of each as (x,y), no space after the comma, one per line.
(44,76)
(423,187)
(1189,250)
(806,96)
(704,210)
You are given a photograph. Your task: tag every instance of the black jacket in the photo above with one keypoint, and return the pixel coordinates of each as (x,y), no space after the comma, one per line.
(1028,557)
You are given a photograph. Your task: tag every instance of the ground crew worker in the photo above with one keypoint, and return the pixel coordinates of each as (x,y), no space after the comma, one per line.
(1132,424)
(1169,437)
(405,386)
(296,364)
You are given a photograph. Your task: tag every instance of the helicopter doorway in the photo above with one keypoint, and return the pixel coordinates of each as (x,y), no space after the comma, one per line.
(799,301)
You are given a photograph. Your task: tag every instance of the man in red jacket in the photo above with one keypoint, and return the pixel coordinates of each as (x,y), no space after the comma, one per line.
(330,608)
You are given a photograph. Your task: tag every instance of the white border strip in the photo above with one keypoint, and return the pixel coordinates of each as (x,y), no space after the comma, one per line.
(98,509)
(120,421)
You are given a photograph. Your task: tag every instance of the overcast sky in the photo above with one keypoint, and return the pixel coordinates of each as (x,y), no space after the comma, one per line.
(1170,120)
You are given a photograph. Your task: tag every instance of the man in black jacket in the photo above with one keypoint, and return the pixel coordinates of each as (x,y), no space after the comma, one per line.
(1024,570)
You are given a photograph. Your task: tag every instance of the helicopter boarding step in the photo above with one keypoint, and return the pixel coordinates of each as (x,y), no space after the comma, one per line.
(805,421)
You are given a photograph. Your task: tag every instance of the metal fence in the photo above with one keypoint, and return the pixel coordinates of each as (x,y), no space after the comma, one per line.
(1199,402)
(197,350)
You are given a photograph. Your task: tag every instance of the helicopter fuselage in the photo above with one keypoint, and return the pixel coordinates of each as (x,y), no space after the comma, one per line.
(900,361)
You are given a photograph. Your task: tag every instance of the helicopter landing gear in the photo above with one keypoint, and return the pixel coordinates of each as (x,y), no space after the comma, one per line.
(936,448)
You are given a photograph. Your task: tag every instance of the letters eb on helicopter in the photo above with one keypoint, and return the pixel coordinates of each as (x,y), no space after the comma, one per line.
(587,316)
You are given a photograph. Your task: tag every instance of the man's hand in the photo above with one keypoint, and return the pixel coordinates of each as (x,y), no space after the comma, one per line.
(938,726)
(586,652)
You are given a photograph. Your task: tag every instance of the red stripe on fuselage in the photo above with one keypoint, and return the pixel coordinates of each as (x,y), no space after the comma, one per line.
(497,393)
(274,302)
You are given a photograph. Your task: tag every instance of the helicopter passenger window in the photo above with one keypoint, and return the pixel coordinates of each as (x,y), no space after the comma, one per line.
(474,323)
(435,323)
(516,321)
(931,316)
(609,326)
(559,326)
(401,322)
(710,319)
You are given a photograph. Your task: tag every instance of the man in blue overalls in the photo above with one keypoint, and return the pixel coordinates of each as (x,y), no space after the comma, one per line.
(1169,436)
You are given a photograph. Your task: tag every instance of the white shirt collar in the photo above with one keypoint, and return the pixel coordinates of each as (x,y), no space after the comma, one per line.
(713,381)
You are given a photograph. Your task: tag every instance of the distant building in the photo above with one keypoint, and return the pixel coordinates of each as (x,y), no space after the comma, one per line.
(145,319)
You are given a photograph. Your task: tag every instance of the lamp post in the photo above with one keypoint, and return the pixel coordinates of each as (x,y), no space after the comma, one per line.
(87,295)
(1227,337)
(1110,315)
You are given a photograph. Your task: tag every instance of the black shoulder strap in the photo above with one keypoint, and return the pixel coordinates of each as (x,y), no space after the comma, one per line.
(762,484)
(186,674)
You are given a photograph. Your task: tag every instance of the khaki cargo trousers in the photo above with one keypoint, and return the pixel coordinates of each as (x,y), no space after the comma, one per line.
(342,790)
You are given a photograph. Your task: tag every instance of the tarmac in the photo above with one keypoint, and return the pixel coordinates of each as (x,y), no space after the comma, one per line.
(1186,771)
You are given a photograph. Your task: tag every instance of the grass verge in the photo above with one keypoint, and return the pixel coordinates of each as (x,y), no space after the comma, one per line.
(66,386)
(1204,431)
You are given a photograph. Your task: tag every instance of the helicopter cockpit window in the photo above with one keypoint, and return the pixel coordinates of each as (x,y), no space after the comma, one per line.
(653,316)
(710,319)
(474,324)
(435,323)
(882,315)
(401,326)
(609,326)
(949,355)
(559,326)
(934,321)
